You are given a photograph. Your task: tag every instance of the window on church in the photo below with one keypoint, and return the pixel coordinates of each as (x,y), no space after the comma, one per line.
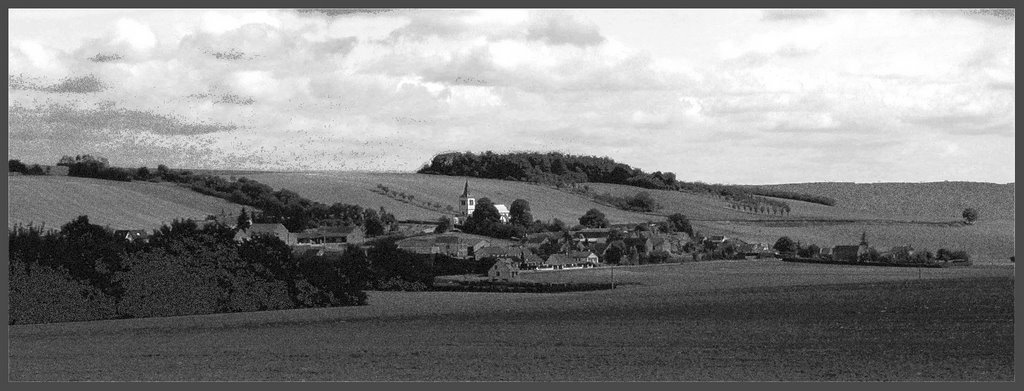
(470,202)
(463,202)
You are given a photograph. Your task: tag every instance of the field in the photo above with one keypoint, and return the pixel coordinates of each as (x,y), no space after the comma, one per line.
(922,215)
(729,320)
(56,200)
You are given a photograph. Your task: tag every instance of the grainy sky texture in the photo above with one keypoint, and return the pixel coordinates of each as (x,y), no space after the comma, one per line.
(722,96)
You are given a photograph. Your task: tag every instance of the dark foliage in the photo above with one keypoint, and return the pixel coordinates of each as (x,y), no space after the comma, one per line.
(594,219)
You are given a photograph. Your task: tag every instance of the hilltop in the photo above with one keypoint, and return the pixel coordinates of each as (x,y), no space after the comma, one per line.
(56,200)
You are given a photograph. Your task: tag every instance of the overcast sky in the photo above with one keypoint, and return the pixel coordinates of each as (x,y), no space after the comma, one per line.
(720,96)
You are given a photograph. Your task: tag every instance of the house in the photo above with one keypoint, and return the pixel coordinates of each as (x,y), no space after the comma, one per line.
(591,235)
(825,252)
(660,245)
(717,239)
(584,258)
(276,229)
(132,235)
(455,245)
(503,270)
(331,236)
(561,261)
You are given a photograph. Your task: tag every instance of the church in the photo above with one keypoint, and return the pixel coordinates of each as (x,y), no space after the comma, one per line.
(467,204)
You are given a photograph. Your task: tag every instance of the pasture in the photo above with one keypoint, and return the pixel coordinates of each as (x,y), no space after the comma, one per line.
(56,200)
(723,320)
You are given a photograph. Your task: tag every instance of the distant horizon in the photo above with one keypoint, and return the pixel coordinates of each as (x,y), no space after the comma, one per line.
(242,170)
(739,96)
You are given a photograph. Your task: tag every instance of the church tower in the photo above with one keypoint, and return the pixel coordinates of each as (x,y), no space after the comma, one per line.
(466,203)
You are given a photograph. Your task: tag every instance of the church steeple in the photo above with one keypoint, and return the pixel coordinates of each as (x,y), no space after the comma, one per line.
(467,204)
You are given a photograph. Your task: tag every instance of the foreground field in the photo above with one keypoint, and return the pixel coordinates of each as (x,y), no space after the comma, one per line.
(757,320)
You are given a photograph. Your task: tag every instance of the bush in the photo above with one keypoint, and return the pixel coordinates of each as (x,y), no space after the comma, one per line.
(40,294)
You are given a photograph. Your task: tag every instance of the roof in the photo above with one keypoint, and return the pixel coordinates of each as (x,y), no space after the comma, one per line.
(505,264)
(581,254)
(717,238)
(559,259)
(448,239)
(266,228)
(339,230)
(502,209)
(465,193)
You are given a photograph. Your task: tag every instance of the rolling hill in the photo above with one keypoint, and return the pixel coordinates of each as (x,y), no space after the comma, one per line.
(933,200)
(924,215)
(56,200)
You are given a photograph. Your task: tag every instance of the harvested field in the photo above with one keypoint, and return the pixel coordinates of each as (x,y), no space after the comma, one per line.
(730,320)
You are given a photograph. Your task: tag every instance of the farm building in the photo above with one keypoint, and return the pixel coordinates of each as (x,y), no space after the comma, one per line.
(456,245)
(276,229)
(584,257)
(331,236)
(132,235)
(504,270)
(591,235)
(562,261)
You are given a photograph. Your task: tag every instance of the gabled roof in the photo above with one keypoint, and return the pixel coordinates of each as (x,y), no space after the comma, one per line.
(447,240)
(465,193)
(581,254)
(266,228)
(502,209)
(559,259)
(717,238)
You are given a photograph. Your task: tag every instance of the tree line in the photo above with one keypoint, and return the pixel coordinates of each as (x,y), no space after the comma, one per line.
(84,272)
(561,169)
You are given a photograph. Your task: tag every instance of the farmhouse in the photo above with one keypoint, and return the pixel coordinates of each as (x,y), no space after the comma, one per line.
(132,235)
(456,245)
(851,253)
(591,235)
(584,257)
(276,229)
(504,270)
(331,236)
(561,261)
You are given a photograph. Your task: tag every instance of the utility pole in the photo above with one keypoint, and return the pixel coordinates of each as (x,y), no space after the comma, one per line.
(613,275)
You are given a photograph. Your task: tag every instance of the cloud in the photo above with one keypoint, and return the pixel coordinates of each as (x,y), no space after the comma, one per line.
(564,30)
(102,57)
(63,121)
(72,85)
(793,15)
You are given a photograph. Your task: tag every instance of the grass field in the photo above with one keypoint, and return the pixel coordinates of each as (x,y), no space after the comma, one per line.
(729,320)
(56,200)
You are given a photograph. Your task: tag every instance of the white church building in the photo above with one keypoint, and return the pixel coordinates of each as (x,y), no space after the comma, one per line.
(467,204)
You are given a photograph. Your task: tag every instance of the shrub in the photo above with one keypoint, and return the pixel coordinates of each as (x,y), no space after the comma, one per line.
(40,294)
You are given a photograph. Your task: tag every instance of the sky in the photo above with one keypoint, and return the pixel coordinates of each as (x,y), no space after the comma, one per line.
(740,96)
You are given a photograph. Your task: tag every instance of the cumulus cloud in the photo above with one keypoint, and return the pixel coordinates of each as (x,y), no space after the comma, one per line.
(564,30)
(321,89)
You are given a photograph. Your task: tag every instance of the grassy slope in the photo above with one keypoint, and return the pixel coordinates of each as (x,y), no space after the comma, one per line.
(935,200)
(355,188)
(56,200)
(758,320)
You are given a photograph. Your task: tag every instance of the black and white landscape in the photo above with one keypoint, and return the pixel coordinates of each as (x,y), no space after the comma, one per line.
(511,195)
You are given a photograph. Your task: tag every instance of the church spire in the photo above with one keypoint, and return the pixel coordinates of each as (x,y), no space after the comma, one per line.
(465,193)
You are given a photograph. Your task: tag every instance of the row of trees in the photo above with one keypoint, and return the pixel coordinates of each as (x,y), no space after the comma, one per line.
(184,269)
(15,165)
(83,272)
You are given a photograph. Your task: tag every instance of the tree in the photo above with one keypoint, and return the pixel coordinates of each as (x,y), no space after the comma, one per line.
(594,219)
(244,221)
(680,223)
(520,213)
(16,166)
(785,245)
(372,223)
(444,224)
(485,211)
(970,215)
(142,173)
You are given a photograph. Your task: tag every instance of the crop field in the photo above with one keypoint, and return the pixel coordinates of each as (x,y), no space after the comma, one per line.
(936,200)
(56,200)
(356,188)
(728,320)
